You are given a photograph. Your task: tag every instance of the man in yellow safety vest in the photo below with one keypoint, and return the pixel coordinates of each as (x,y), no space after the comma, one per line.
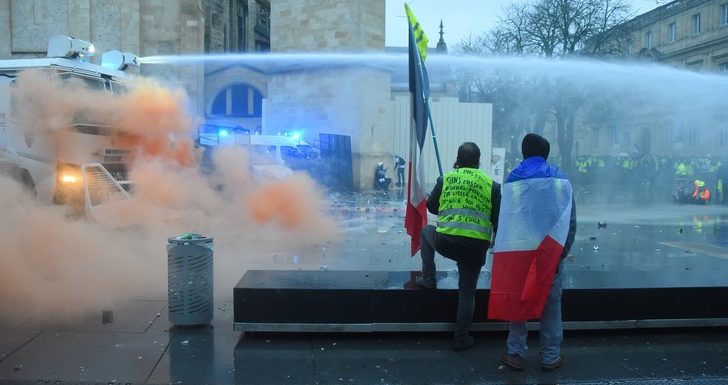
(466,201)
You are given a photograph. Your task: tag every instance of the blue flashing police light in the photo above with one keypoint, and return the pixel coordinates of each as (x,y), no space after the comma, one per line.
(223,132)
(293,134)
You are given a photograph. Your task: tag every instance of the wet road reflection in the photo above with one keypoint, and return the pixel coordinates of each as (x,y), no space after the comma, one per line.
(616,246)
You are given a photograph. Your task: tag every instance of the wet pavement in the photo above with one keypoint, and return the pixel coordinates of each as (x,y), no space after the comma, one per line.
(651,246)
(86,354)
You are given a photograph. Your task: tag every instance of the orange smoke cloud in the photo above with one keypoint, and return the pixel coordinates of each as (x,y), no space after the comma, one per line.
(278,202)
(55,267)
(149,118)
(147,115)
(43,102)
(52,266)
(150,107)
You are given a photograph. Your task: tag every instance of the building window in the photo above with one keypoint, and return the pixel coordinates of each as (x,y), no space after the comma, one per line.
(696,24)
(723,67)
(242,25)
(672,31)
(676,134)
(614,137)
(724,14)
(219,105)
(649,40)
(239,100)
(629,44)
(261,30)
(695,66)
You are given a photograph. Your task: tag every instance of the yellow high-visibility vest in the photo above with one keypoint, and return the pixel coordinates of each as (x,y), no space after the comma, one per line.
(465,204)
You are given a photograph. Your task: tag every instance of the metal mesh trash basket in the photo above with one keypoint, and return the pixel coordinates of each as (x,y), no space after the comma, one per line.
(189,279)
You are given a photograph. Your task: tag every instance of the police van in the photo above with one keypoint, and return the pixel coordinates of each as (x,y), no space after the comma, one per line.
(271,156)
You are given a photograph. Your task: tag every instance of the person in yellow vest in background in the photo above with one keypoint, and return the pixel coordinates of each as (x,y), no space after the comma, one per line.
(721,178)
(701,194)
(467,203)
(719,189)
(681,170)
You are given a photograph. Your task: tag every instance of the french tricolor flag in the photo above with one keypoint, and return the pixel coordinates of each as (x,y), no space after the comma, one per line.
(532,229)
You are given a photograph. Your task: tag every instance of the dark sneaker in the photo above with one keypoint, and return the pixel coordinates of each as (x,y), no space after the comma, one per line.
(421,282)
(512,361)
(459,345)
(554,365)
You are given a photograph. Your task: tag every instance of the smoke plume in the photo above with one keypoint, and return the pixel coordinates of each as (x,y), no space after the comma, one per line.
(55,265)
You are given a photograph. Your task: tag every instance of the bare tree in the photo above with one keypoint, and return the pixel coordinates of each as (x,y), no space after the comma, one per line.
(610,26)
(512,34)
(566,104)
(549,28)
(541,29)
(475,44)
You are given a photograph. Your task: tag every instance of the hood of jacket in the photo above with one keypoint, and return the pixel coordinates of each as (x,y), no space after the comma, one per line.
(534,167)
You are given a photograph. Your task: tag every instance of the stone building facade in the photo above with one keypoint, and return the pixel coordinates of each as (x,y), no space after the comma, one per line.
(685,33)
(236,25)
(354,100)
(688,34)
(327,25)
(673,109)
(145,28)
(234,90)
(340,99)
(311,98)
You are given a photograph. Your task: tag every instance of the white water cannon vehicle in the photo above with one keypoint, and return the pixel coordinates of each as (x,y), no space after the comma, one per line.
(78,165)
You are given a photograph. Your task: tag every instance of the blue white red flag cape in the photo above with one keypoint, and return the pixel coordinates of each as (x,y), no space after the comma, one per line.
(533,225)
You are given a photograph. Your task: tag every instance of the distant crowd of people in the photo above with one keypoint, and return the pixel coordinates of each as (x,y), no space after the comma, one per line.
(647,178)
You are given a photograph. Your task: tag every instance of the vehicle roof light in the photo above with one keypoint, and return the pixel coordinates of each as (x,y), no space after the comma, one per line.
(68,47)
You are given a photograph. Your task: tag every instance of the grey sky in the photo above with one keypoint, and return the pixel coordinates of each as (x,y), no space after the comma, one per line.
(460,17)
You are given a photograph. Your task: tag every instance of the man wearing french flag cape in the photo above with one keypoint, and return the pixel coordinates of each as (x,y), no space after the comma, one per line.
(537,224)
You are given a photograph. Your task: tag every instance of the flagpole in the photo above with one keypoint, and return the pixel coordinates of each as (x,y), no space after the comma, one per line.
(415,218)
(426,97)
(434,137)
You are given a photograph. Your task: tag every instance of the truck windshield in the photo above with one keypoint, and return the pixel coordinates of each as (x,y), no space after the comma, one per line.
(85,121)
(90,82)
(118,88)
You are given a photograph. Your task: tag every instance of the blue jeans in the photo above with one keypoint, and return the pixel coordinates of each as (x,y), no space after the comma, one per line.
(551,332)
